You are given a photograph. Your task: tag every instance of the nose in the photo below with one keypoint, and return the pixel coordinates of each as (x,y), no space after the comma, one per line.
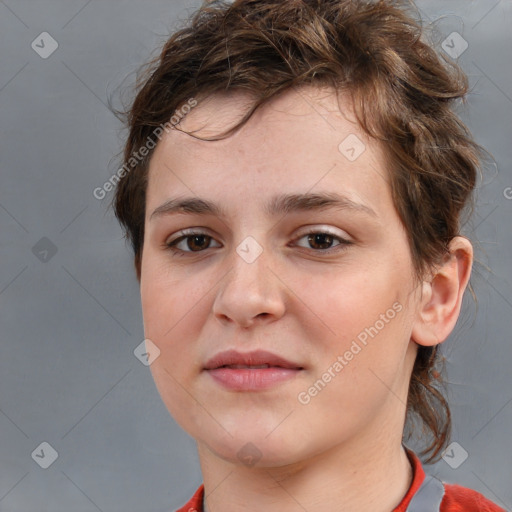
(250,293)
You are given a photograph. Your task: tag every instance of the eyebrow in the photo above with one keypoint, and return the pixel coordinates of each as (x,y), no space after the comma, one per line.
(279,205)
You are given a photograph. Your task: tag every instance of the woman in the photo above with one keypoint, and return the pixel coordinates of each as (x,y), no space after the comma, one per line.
(293,186)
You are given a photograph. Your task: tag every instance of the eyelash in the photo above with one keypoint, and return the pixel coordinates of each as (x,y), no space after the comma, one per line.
(171,246)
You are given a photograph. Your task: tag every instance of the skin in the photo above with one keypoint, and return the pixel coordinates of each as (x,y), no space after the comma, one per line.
(341,451)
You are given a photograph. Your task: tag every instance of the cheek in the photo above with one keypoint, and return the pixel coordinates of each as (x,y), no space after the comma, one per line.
(170,309)
(365,319)
(360,371)
(168,299)
(355,298)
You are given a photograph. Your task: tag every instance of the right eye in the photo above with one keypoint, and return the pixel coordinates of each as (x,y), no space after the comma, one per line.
(190,242)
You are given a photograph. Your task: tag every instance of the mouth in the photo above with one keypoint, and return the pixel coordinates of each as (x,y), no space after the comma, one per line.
(258,359)
(248,367)
(252,371)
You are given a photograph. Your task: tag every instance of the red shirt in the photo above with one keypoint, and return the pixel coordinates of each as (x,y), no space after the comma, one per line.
(454,499)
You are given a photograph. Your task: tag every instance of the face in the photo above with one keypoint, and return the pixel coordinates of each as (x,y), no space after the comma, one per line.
(296,250)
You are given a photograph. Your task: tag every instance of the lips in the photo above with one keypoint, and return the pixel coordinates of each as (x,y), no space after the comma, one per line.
(255,371)
(259,359)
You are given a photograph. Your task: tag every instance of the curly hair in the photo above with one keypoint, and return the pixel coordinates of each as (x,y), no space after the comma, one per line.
(402,92)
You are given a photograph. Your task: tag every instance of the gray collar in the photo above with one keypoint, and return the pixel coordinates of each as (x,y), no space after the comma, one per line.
(428,497)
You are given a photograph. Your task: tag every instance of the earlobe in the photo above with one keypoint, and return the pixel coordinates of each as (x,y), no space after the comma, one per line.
(441,297)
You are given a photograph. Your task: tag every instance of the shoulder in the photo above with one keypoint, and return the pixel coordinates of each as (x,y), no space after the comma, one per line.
(461,499)
(196,502)
(450,497)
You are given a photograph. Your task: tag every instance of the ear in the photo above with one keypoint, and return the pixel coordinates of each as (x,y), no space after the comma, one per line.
(441,296)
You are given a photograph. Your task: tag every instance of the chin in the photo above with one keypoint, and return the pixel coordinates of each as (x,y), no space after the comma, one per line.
(252,448)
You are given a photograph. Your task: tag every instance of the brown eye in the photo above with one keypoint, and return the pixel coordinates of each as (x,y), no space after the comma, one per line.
(192,242)
(320,241)
(198,242)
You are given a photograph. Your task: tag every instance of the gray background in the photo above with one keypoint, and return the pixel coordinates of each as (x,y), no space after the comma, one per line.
(70,321)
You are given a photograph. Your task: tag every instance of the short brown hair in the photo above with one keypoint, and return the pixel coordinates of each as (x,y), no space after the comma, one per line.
(402,94)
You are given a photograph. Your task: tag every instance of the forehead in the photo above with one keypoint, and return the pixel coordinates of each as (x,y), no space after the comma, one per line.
(304,107)
(304,140)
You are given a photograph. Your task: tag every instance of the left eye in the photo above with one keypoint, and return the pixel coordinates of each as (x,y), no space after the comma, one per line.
(197,242)
(323,241)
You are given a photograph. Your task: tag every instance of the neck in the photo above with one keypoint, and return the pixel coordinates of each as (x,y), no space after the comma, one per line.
(366,478)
